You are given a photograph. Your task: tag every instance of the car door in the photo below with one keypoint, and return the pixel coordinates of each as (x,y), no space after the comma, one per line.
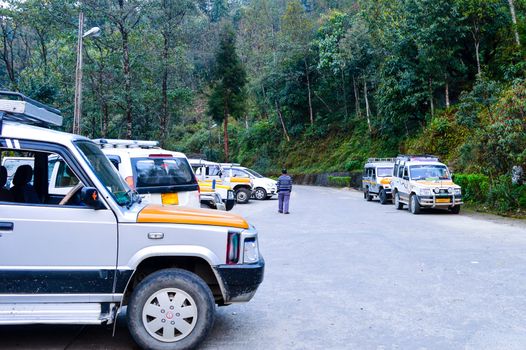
(55,253)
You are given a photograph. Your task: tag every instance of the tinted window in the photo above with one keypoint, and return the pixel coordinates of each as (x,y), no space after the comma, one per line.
(155,172)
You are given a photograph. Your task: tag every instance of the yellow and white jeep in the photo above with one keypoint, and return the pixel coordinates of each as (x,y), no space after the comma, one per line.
(424,182)
(376,179)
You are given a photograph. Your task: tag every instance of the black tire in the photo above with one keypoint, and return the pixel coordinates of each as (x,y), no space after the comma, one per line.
(243,195)
(260,194)
(185,281)
(383,196)
(367,196)
(398,205)
(455,209)
(414,206)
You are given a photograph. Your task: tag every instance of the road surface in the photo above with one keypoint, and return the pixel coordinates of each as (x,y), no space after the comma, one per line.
(343,273)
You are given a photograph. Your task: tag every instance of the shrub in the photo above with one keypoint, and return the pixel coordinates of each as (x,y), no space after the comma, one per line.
(339,181)
(475,187)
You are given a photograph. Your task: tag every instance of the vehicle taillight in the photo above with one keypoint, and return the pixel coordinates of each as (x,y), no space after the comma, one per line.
(198,187)
(129,181)
(232,248)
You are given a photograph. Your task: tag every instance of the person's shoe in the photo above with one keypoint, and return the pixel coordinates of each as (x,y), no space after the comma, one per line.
(287,212)
(279,211)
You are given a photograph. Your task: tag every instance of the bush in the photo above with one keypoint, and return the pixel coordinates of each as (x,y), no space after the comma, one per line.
(506,197)
(475,187)
(339,181)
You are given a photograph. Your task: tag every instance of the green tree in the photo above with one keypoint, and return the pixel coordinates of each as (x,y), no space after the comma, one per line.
(227,98)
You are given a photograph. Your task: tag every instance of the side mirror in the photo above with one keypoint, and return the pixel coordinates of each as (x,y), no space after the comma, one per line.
(90,197)
(230,200)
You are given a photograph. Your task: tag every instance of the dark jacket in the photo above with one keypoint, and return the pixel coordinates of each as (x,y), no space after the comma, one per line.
(284,183)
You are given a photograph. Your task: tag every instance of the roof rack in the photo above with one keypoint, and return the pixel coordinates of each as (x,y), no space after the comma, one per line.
(380,160)
(18,107)
(115,143)
(230,164)
(418,158)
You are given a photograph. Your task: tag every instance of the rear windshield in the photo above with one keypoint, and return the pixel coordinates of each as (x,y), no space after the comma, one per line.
(154,172)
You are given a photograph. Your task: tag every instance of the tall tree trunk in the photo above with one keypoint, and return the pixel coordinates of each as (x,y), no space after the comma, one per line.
(164,88)
(431,103)
(514,20)
(474,33)
(342,75)
(225,137)
(285,133)
(308,89)
(447,91)
(127,83)
(7,52)
(356,98)
(367,109)
(105,118)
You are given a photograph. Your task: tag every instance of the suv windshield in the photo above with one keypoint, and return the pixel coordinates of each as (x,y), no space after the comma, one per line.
(162,171)
(429,172)
(254,173)
(106,173)
(384,172)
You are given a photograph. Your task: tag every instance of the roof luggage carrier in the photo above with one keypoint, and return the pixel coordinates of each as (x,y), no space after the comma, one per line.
(418,158)
(230,164)
(115,143)
(381,160)
(18,107)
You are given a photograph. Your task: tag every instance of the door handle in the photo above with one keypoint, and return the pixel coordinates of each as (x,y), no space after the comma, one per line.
(6,226)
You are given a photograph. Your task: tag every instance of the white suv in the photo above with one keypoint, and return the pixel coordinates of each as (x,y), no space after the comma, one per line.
(264,187)
(80,258)
(424,182)
(160,176)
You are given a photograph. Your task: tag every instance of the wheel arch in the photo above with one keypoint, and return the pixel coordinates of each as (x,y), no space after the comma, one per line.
(195,264)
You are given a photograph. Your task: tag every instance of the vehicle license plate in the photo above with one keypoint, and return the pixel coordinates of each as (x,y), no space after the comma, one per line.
(170,198)
(443,200)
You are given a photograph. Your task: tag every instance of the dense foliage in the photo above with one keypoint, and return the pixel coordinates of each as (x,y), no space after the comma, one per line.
(328,82)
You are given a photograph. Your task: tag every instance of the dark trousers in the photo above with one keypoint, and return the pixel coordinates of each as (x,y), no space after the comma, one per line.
(283,201)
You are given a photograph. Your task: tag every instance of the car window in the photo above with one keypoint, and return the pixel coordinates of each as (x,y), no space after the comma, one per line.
(385,172)
(429,172)
(162,171)
(65,176)
(406,174)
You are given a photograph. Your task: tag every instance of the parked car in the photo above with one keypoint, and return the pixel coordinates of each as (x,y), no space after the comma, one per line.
(376,179)
(213,173)
(264,187)
(100,247)
(160,176)
(424,182)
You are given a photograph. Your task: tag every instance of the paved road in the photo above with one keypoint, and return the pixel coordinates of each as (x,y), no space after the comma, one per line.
(346,274)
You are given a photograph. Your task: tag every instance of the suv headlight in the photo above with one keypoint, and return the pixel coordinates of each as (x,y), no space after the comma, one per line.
(458,192)
(425,192)
(250,251)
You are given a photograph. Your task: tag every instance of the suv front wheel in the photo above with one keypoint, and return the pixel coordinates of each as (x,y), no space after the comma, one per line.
(171,309)
(260,193)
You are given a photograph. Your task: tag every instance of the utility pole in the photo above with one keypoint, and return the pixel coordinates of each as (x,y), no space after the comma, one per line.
(78,77)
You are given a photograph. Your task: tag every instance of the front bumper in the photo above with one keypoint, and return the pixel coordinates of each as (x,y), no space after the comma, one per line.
(241,281)
(443,201)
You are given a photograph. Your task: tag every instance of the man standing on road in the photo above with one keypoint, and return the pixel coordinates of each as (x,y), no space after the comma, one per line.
(284,186)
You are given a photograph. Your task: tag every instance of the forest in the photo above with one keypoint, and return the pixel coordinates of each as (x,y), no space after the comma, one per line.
(311,85)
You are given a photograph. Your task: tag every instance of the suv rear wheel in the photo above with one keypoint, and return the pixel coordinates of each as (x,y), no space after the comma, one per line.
(398,205)
(455,209)
(367,195)
(243,195)
(383,196)
(171,309)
